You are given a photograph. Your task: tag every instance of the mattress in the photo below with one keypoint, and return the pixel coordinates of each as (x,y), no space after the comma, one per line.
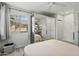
(51,48)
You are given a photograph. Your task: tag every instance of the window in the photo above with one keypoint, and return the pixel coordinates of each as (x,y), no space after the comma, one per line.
(19,23)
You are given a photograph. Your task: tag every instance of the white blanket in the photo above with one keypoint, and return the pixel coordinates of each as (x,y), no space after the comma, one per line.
(51,48)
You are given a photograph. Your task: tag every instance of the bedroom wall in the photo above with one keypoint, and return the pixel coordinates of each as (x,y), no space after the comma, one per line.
(42,22)
(20,39)
(76,25)
(48,26)
(68,27)
(0,20)
(59,27)
(2,24)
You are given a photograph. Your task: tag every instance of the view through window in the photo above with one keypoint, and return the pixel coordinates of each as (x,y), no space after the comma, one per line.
(19,23)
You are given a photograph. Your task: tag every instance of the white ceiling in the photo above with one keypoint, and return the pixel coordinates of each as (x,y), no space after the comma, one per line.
(42,7)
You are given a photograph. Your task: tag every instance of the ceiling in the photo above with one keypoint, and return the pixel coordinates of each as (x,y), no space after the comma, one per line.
(42,7)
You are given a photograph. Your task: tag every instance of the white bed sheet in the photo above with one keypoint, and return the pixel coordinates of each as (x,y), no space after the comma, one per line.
(51,48)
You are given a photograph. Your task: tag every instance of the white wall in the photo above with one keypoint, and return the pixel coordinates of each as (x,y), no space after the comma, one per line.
(59,27)
(48,26)
(0,20)
(68,27)
(33,24)
(20,39)
(65,27)
(43,23)
(2,24)
(76,22)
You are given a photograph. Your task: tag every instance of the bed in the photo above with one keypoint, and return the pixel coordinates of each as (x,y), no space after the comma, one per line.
(51,48)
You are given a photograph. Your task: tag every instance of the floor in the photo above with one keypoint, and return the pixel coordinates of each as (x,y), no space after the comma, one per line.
(17,52)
